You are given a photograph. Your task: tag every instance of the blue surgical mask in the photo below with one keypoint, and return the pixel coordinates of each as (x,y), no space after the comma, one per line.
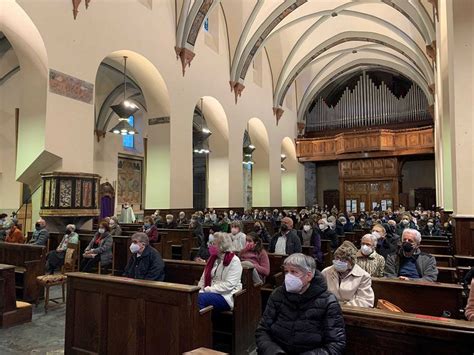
(146,225)
(340,266)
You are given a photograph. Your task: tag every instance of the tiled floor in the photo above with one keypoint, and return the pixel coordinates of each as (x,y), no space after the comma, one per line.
(44,335)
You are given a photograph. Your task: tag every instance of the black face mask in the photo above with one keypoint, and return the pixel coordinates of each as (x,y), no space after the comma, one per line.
(257,229)
(37,226)
(284,228)
(68,231)
(407,247)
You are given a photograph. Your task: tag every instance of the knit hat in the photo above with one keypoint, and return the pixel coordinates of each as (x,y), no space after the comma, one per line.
(288,221)
(347,251)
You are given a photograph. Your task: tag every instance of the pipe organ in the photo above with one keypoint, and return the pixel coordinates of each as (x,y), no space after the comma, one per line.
(368,105)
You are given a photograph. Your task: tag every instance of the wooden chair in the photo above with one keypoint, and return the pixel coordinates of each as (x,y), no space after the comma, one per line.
(71,264)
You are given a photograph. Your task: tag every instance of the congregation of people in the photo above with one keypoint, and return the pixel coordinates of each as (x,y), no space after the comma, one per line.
(304,314)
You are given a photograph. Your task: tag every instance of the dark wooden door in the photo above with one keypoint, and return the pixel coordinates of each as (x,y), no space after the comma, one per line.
(331,198)
(425,196)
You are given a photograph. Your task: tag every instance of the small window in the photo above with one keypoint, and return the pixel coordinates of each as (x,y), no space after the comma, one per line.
(206,24)
(129,140)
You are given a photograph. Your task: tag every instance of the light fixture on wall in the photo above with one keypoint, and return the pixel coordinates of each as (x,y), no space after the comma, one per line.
(282,159)
(125,109)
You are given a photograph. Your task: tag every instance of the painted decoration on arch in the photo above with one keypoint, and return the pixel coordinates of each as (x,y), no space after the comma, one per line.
(130,177)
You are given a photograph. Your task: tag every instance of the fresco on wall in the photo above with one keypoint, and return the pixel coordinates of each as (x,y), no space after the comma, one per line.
(130,175)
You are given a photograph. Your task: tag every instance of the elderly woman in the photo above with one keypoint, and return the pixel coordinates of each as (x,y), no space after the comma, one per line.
(238,238)
(254,255)
(327,233)
(114,226)
(150,229)
(221,278)
(55,258)
(170,223)
(99,249)
(368,259)
(13,233)
(302,316)
(145,262)
(346,280)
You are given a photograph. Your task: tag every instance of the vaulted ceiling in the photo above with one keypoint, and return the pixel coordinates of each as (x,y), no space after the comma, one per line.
(309,43)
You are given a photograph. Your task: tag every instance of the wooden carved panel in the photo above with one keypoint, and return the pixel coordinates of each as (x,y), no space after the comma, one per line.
(368,168)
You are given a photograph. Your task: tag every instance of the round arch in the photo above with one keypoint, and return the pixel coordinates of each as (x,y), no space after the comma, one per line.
(289,171)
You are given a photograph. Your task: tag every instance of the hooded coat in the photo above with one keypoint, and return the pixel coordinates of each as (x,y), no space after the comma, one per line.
(308,323)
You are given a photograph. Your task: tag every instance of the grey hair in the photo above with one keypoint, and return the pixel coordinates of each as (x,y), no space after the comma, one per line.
(141,237)
(302,262)
(225,241)
(413,232)
(373,238)
(71,227)
(115,219)
(169,216)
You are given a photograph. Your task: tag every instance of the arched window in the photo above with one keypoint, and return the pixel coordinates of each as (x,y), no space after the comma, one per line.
(128,141)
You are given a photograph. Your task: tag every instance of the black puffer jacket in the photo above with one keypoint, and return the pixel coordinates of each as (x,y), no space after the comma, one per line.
(307,324)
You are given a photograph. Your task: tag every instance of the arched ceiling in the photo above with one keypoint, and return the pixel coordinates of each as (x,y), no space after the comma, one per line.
(307,39)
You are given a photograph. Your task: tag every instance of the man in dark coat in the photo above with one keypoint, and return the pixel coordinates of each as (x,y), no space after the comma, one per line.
(145,263)
(286,241)
(302,316)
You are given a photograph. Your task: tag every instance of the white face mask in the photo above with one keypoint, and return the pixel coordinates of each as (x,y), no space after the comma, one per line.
(101,230)
(352,220)
(306,227)
(366,250)
(376,234)
(134,248)
(430,224)
(293,283)
(323,227)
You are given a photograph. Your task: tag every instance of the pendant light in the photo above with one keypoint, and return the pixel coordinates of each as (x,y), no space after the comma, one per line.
(125,109)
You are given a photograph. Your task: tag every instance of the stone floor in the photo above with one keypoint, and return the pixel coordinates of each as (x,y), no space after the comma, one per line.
(43,335)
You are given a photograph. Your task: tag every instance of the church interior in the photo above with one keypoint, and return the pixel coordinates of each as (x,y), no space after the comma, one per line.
(236,177)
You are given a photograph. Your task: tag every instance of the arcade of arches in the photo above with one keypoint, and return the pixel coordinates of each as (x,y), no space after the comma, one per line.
(240,104)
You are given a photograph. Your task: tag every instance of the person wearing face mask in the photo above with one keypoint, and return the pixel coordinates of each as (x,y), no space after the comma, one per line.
(349,226)
(170,222)
(254,255)
(207,220)
(222,275)
(182,220)
(145,263)
(327,233)
(348,281)
(127,215)
(223,223)
(405,223)
(13,233)
(286,241)
(238,238)
(55,258)
(203,251)
(431,229)
(196,228)
(410,263)
(150,229)
(386,243)
(157,218)
(114,226)
(99,249)
(367,257)
(40,234)
(311,237)
(260,229)
(302,316)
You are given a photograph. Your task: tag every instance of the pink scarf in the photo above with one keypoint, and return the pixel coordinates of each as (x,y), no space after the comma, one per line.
(210,263)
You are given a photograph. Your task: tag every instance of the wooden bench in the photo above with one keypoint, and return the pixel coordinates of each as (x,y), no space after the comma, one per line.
(181,240)
(430,298)
(436,249)
(373,331)
(116,315)
(447,274)
(29,261)
(244,318)
(11,312)
(444,260)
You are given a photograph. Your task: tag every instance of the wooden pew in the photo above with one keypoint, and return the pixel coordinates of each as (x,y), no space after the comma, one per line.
(447,274)
(430,298)
(177,238)
(436,249)
(243,319)
(11,312)
(444,260)
(116,315)
(373,331)
(29,262)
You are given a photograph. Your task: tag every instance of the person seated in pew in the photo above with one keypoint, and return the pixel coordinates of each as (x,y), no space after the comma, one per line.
(431,229)
(170,222)
(405,222)
(367,257)
(150,229)
(196,228)
(223,222)
(348,281)
(254,255)
(409,263)
(261,230)
(327,233)
(157,218)
(13,233)
(99,249)
(337,228)
(145,263)
(221,278)
(311,237)
(238,238)
(386,243)
(40,234)
(286,241)
(114,226)
(3,222)
(55,258)
(302,316)
(349,226)
(203,252)
(182,220)
(469,311)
